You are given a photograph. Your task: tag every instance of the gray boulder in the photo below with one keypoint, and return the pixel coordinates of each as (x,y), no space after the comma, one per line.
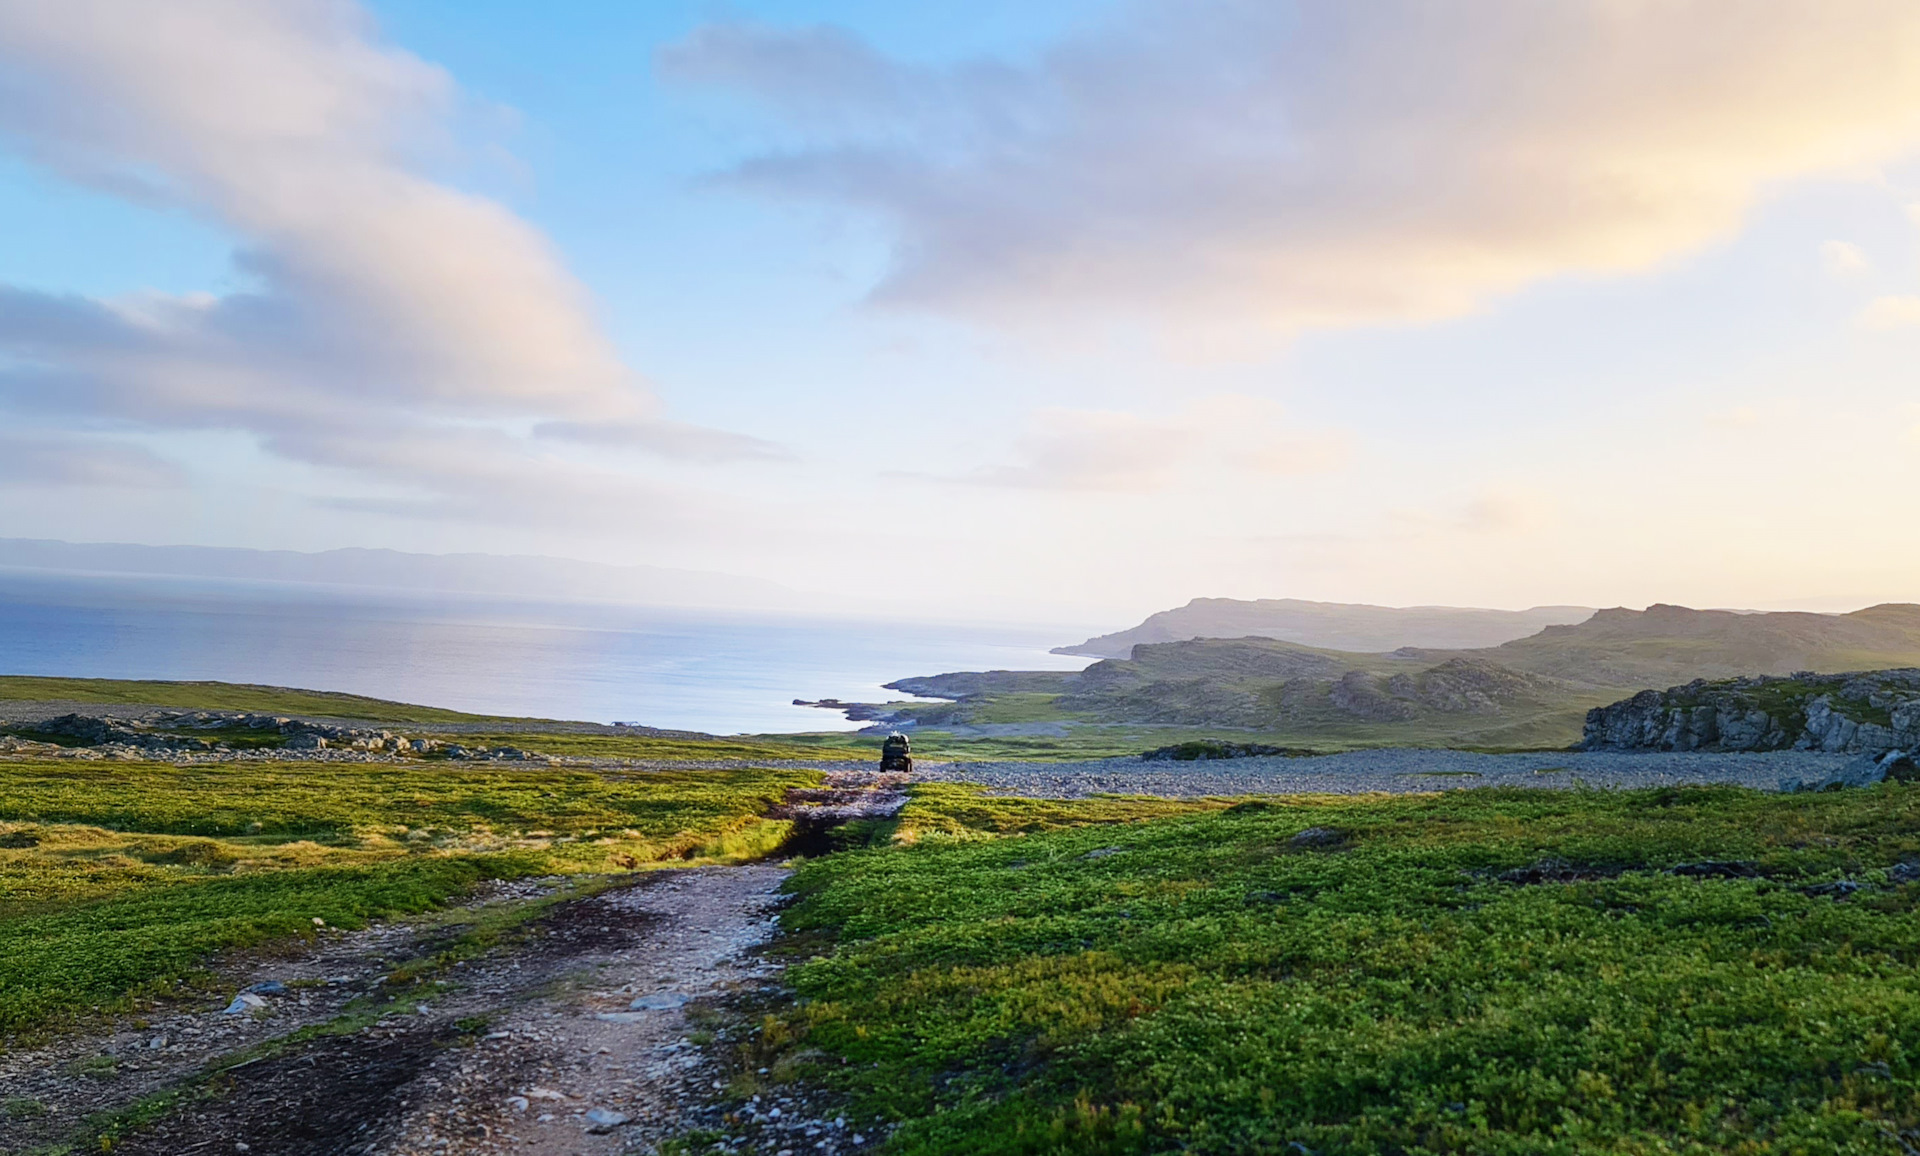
(1863,771)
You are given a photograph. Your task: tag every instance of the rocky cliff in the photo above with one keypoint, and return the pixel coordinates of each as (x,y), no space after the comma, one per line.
(1867,712)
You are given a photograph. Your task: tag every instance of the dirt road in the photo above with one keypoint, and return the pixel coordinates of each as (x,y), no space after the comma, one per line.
(573,1039)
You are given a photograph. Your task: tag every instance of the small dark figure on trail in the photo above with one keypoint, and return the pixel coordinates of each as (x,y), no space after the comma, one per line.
(896,754)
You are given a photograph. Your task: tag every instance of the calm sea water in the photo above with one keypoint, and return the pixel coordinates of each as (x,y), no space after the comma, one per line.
(697,670)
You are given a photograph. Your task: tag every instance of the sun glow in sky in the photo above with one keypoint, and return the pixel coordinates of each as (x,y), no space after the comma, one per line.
(992,309)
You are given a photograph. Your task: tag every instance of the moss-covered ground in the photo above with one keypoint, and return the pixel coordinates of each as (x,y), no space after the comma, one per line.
(1478,972)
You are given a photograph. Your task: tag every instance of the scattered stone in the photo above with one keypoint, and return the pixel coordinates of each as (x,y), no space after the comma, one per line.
(1558,871)
(1863,771)
(245,1002)
(604,1119)
(1838,889)
(1318,839)
(267,987)
(659,1001)
(1717,869)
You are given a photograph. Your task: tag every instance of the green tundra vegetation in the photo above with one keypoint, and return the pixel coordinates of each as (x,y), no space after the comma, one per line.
(117,880)
(1709,970)
(1663,971)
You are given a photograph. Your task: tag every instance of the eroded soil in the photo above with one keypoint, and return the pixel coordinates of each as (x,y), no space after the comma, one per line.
(572,1037)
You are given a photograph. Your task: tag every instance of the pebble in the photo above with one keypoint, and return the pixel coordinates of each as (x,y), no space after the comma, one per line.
(1391,770)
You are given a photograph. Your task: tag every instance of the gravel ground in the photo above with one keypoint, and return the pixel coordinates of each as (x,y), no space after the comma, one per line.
(1397,771)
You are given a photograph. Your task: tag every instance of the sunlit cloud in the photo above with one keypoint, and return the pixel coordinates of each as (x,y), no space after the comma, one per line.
(1891,313)
(1276,166)
(385,307)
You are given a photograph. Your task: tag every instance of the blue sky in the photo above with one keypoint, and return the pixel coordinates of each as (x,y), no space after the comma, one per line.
(1080,306)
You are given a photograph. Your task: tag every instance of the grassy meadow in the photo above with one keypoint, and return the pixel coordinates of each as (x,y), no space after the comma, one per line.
(1479,972)
(1707,970)
(118,880)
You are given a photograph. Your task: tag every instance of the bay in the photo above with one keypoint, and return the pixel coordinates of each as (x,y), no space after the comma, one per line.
(719,672)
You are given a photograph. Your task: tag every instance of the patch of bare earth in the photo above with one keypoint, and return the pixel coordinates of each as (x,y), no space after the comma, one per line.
(574,1040)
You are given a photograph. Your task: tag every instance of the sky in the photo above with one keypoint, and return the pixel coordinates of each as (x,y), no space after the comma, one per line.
(1002,310)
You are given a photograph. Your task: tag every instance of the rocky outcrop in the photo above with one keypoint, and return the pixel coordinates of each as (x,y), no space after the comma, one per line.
(1863,771)
(1458,686)
(169,733)
(1864,712)
(1360,694)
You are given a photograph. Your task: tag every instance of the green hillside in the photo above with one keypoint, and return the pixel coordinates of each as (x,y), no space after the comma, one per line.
(1531,692)
(225,696)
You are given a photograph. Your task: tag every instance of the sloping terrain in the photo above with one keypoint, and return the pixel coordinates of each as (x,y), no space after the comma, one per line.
(1532,691)
(1667,645)
(1333,625)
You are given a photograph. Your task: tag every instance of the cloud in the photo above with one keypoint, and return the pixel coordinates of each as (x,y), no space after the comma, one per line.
(1891,313)
(57,460)
(1274,166)
(385,307)
(1841,259)
(1117,452)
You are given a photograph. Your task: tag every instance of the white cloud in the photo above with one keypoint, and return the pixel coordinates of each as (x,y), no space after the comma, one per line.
(1271,165)
(1118,452)
(1891,313)
(1841,259)
(390,308)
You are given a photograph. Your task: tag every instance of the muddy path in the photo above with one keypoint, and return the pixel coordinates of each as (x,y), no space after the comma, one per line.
(580,1033)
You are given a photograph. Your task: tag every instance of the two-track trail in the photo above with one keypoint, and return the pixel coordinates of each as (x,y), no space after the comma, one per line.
(573,1039)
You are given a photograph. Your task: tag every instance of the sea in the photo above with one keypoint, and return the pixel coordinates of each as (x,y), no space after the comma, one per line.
(701,670)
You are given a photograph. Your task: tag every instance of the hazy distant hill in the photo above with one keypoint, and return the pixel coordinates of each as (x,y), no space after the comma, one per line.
(1332,625)
(515,576)
(1533,691)
(1665,645)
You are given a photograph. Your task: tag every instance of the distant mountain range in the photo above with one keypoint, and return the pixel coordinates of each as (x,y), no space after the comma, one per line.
(1526,692)
(1332,625)
(511,576)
